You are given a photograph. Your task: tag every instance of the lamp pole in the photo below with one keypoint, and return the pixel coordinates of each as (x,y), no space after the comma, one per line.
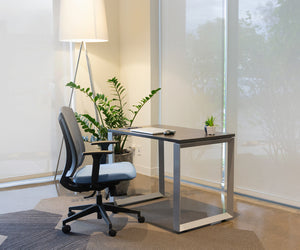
(91,79)
(70,101)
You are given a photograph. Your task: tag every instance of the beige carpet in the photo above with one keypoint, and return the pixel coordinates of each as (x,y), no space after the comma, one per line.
(153,234)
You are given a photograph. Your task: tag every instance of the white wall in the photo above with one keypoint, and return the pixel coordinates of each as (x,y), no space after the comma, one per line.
(136,72)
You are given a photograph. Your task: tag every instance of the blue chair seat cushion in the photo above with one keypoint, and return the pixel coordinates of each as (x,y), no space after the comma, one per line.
(118,171)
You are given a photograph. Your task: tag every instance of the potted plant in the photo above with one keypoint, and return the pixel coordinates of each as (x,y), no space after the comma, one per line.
(210,127)
(111,113)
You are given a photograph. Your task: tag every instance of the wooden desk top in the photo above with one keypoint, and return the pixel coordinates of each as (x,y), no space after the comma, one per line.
(182,135)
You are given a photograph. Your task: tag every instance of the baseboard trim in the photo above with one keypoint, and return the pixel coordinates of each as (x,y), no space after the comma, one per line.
(146,170)
(28,177)
(267,197)
(28,182)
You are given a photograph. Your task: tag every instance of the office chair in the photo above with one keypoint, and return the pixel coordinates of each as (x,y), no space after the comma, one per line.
(94,177)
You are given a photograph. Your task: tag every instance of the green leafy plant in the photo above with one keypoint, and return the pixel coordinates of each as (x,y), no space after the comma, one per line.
(110,112)
(210,121)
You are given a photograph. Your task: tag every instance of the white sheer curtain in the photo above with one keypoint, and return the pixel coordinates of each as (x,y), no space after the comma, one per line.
(34,68)
(192,78)
(262,73)
(266,118)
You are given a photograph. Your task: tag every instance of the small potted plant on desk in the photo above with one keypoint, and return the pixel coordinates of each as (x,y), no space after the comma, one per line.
(111,114)
(210,127)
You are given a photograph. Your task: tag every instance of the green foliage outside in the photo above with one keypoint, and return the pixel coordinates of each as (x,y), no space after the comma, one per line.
(110,111)
(264,72)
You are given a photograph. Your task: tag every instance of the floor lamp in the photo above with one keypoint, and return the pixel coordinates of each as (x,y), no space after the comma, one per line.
(82,21)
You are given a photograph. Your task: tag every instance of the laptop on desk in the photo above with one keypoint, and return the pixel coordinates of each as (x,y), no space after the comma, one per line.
(149,130)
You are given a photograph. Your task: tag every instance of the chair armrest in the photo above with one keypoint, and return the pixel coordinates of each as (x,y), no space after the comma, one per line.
(95,153)
(103,142)
(96,163)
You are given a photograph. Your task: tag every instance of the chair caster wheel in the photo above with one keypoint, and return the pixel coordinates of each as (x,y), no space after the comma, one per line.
(70,213)
(66,229)
(112,233)
(141,219)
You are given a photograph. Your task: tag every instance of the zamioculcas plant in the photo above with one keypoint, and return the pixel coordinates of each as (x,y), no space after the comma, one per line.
(110,111)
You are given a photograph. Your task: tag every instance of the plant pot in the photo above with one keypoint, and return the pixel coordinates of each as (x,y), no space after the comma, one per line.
(128,156)
(210,130)
(122,187)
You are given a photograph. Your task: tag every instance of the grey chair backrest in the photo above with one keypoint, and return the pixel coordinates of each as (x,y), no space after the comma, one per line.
(73,139)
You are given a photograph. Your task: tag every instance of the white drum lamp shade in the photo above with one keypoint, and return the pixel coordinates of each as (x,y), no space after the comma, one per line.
(83,21)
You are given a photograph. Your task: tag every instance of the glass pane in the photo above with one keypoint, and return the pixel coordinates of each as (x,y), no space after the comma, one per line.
(30,94)
(268,122)
(192,77)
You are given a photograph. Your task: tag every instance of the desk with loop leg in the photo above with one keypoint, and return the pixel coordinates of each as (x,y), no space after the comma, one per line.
(184,138)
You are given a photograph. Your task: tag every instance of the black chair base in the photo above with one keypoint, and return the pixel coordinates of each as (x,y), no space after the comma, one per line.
(101,209)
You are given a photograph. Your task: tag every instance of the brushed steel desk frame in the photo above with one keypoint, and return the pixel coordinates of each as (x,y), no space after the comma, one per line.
(178,144)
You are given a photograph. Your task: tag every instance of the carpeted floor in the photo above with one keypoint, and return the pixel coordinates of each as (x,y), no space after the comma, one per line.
(41,229)
(35,229)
